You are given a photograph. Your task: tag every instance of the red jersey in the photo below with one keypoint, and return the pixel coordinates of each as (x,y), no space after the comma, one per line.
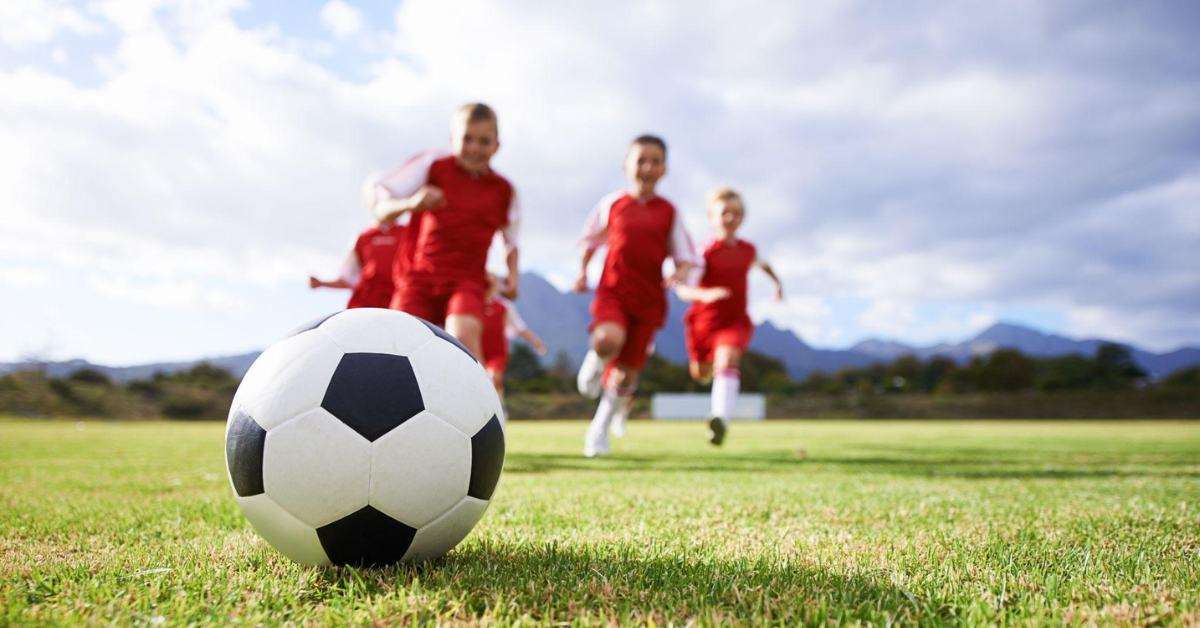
(640,235)
(727,266)
(369,266)
(451,242)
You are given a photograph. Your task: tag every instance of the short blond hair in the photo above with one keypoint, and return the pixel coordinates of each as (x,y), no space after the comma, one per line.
(727,194)
(476,112)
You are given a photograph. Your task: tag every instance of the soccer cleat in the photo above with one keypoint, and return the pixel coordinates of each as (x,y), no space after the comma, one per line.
(591,372)
(617,427)
(593,447)
(716,430)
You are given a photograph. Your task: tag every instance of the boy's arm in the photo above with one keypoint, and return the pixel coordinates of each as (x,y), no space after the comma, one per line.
(348,276)
(534,341)
(515,327)
(766,268)
(403,189)
(683,253)
(512,257)
(595,234)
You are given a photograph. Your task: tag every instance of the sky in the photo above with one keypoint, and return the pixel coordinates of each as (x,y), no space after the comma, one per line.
(171,172)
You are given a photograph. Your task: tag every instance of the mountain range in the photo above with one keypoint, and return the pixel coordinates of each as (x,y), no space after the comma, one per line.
(562,318)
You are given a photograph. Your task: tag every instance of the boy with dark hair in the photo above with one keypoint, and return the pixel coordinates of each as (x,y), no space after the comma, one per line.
(641,230)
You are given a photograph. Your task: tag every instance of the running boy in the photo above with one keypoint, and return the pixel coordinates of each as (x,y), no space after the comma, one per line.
(502,323)
(367,270)
(457,204)
(641,229)
(717,326)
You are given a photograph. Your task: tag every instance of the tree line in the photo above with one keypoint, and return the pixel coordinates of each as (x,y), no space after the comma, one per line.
(1112,368)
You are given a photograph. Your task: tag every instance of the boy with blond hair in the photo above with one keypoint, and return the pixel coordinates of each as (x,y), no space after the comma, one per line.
(456,204)
(641,230)
(717,326)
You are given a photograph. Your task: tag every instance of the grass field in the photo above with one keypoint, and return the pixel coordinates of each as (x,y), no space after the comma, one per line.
(946,522)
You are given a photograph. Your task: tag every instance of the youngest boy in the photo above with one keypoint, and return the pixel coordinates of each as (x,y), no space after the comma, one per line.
(367,269)
(502,323)
(717,327)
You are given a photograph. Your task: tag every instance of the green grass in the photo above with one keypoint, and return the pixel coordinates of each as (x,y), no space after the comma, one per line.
(946,522)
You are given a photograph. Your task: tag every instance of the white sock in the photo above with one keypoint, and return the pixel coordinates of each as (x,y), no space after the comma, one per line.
(604,414)
(591,370)
(725,387)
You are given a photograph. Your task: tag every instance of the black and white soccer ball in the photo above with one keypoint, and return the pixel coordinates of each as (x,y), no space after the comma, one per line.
(369,438)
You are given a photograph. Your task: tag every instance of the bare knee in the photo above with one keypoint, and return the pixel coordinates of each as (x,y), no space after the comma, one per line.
(624,380)
(468,330)
(607,340)
(727,358)
(701,371)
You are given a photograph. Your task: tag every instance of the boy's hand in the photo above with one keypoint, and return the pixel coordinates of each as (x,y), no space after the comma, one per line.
(678,277)
(710,295)
(581,284)
(427,198)
(313,282)
(509,288)
(779,293)
(538,345)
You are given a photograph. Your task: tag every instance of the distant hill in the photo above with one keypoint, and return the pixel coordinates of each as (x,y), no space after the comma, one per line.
(561,319)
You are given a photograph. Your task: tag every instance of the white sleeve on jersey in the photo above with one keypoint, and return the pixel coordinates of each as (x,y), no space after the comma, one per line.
(351,270)
(400,182)
(511,231)
(680,246)
(514,325)
(595,230)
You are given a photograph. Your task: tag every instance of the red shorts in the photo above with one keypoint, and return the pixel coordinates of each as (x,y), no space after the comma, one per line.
(435,299)
(702,338)
(640,328)
(495,352)
(496,363)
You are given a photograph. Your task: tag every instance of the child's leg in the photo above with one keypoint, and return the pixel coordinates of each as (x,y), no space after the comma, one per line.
(617,392)
(469,331)
(606,342)
(726,384)
(701,372)
(497,381)
(625,392)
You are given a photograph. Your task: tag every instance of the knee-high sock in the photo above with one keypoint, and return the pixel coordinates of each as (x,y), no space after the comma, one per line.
(725,386)
(604,414)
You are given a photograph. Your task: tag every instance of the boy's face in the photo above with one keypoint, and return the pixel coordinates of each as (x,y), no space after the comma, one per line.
(474,143)
(726,215)
(645,165)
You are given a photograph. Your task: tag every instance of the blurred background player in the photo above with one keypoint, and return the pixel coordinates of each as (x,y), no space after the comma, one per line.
(717,326)
(640,229)
(367,270)
(457,204)
(502,323)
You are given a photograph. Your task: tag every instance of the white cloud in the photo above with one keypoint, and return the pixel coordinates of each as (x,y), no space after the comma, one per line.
(31,22)
(888,160)
(342,19)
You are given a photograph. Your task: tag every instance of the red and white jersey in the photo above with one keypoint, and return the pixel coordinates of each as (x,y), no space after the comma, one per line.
(640,235)
(368,266)
(726,265)
(451,241)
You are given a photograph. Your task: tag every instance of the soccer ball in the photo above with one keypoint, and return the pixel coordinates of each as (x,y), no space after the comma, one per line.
(369,438)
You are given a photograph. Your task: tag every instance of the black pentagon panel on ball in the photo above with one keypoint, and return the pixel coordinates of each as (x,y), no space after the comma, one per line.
(445,335)
(366,538)
(487,458)
(244,454)
(373,393)
(311,325)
